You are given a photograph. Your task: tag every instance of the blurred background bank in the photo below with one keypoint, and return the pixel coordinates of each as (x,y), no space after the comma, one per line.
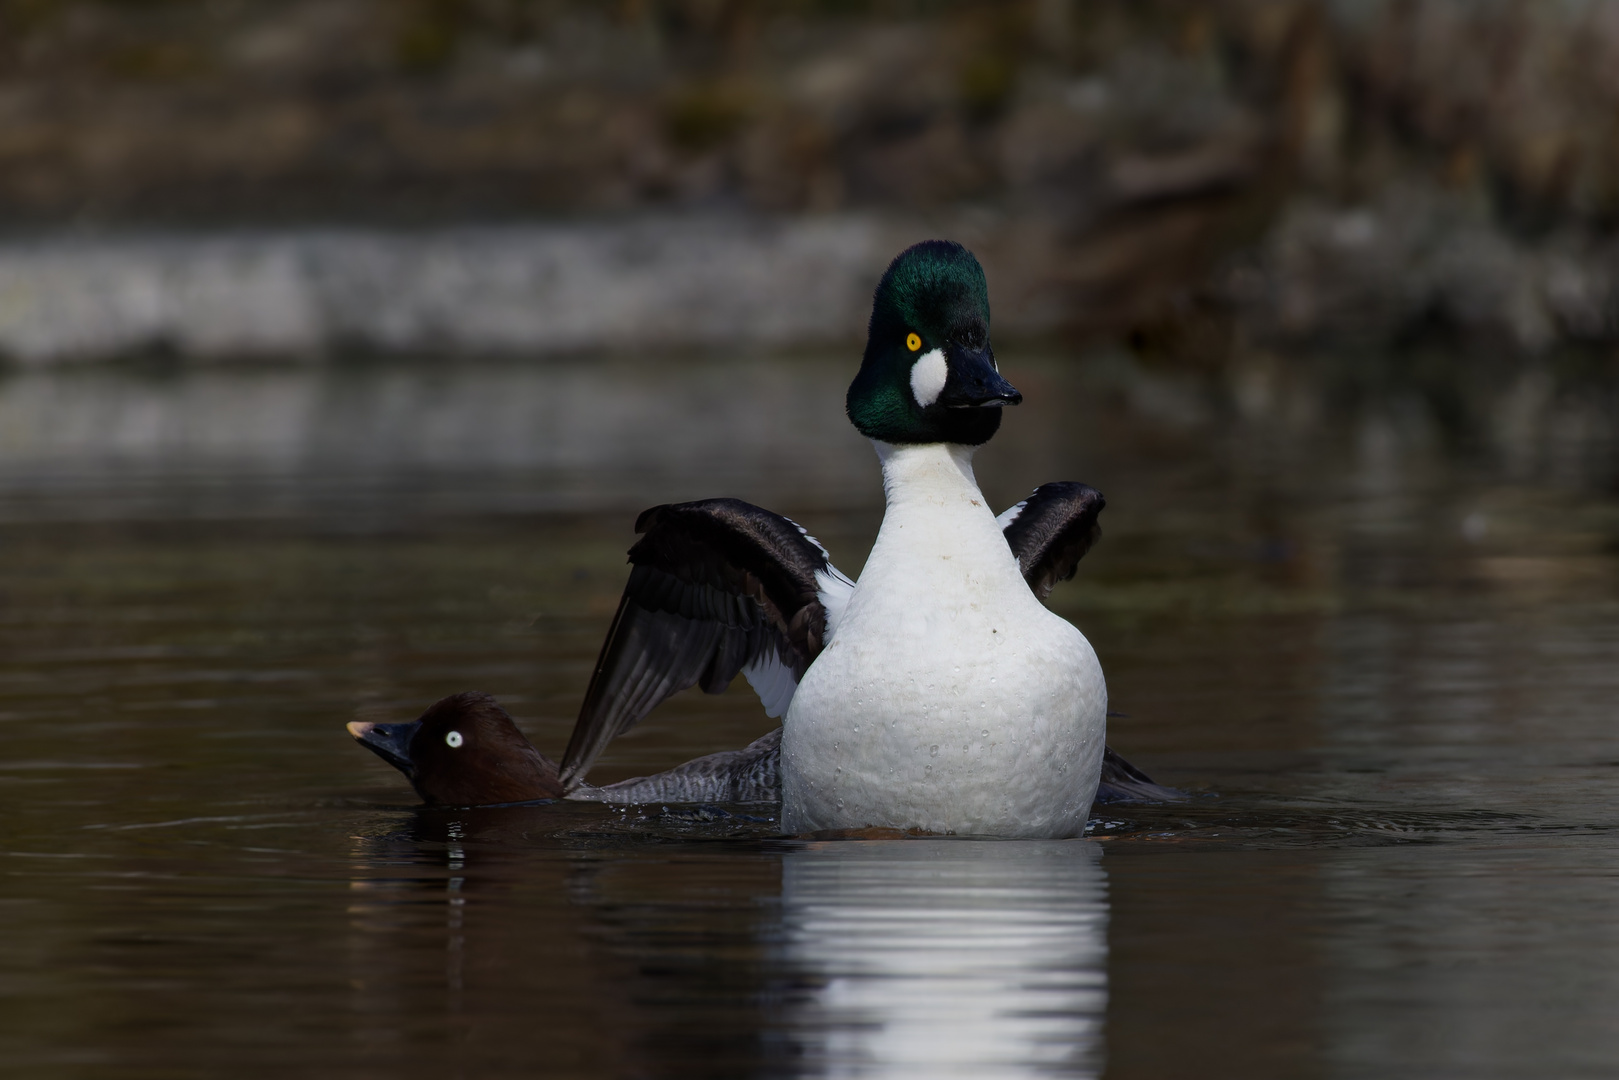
(1217,185)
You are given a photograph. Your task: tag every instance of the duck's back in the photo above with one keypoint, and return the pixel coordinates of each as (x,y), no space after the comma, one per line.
(948,700)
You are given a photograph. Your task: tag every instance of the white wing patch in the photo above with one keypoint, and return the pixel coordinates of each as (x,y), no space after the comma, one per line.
(832,585)
(773,681)
(834,588)
(805,533)
(927,377)
(1010,514)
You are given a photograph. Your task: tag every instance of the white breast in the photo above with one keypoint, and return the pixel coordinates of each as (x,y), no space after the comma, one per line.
(949,700)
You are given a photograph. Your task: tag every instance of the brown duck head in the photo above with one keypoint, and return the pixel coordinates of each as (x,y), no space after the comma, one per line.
(464,751)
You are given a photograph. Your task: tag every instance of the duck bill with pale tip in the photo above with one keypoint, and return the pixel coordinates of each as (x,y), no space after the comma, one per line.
(973,382)
(390,742)
(464,751)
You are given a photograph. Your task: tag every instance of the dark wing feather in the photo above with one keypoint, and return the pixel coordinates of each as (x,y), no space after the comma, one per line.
(1123,782)
(717,585)
(1051,531)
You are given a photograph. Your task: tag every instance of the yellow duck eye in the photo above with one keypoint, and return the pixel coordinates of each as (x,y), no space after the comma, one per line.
(912,342)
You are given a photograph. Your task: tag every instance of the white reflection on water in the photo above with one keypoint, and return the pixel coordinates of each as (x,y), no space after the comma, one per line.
(936,958)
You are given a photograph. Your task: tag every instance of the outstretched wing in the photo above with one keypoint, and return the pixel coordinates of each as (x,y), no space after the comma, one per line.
(1051,531)
(718,586)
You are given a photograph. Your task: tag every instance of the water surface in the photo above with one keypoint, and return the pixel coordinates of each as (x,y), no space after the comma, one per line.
(1384,662)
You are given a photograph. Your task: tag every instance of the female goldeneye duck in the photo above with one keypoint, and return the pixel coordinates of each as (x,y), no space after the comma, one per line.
(494,764)
(464,751)
(937,694)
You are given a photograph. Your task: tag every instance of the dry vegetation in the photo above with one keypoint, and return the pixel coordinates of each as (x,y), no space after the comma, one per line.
(1123,149)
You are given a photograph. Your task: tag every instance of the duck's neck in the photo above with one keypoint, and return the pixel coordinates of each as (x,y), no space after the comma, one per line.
(926,476)
(938,526)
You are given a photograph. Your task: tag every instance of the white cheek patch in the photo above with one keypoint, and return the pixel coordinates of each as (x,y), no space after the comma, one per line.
(927,377)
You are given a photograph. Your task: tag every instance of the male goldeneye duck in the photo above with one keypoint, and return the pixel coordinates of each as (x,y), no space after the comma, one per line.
(937,694)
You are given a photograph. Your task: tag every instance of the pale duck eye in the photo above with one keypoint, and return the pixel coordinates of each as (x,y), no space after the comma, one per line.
(927,377)
(454,739)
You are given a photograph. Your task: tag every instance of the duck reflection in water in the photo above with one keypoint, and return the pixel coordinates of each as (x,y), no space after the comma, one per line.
(925,958)
(939,958)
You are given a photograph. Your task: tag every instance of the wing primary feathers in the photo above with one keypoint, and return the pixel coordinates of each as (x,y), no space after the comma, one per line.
(1123,782)
(717,587)
(1051,531)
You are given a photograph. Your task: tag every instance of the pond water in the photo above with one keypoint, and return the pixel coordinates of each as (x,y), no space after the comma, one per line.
(1384,661)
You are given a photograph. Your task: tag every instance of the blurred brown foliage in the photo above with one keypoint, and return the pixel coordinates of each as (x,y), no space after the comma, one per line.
(203,109)
(1128,144)
(251,108)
